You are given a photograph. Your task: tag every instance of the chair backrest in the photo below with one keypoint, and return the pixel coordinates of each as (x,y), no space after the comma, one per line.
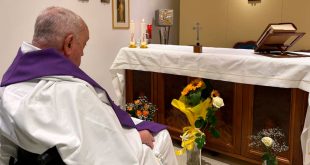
(245,45)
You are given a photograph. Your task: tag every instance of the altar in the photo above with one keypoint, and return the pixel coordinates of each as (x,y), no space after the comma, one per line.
(258,91)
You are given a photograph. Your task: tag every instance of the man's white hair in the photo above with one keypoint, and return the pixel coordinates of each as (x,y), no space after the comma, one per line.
(54,24)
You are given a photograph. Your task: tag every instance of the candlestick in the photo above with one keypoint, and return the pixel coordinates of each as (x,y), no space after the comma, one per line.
(132,43)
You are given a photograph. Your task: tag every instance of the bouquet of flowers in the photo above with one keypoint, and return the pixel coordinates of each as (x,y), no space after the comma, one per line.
(199,103)
(272,142)
(142,109)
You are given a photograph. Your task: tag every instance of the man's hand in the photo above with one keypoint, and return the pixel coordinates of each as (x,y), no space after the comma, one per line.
(147,138)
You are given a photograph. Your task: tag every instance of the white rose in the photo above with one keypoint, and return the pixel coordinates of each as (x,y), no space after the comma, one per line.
(267,141)
(218,102)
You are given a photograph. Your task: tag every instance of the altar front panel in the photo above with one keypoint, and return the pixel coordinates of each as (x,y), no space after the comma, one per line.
(248,109)
(246,72)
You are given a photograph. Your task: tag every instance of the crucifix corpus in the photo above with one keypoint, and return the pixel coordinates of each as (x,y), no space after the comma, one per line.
(197,28)
(197,46)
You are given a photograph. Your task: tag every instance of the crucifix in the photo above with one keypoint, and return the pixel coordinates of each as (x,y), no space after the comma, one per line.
(197,28)
(197,47)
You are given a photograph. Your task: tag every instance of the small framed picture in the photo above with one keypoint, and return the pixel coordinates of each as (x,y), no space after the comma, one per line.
(120,14)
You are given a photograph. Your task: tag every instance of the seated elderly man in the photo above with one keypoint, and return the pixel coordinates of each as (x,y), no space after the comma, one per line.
(47,101)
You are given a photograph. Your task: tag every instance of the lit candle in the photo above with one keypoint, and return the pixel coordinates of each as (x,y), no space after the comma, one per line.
(143,28)
(132,34)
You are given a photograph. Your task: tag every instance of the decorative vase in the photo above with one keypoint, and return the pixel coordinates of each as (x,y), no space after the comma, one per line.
(194,156)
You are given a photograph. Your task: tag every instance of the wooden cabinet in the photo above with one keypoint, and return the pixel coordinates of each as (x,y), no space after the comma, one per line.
(247,110)
(270,107)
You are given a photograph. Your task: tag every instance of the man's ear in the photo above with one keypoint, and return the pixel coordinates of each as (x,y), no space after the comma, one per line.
(67,46)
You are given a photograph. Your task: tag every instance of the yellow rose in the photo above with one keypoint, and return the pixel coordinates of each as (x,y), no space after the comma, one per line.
(218,102)
(267,141)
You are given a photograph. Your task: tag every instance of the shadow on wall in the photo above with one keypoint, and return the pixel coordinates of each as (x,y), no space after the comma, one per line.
(245,45)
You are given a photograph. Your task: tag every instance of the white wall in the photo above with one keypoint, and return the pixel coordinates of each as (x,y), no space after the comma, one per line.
(18,17)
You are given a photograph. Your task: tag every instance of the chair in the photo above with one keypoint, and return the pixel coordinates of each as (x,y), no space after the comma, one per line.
(49,157)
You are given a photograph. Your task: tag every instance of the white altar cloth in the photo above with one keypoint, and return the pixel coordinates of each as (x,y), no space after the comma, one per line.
(226,64)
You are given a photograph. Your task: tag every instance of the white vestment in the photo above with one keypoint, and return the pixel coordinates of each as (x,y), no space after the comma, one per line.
(70,114)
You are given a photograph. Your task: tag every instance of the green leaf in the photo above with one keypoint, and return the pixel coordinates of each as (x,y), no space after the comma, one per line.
(198,135)
(200,141)
(132,113)
(265,156)
(212,120)
(199,123)
(215,133)
(210,111)
(194,98)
